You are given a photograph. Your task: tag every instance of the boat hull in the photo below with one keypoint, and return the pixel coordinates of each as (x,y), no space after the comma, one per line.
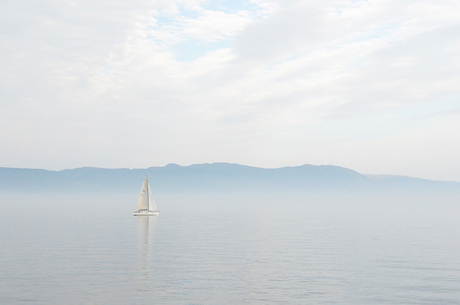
(146,213)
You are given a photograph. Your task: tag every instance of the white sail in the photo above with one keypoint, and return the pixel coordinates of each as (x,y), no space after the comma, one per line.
(144,197)
(152,205)
(146,205)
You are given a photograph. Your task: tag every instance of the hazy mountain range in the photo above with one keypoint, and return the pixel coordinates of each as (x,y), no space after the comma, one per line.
(216,177)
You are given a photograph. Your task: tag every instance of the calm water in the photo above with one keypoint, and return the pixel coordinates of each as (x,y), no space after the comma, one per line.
(229,249)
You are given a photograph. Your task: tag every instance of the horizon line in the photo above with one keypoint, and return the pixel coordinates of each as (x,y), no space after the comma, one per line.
(375,176)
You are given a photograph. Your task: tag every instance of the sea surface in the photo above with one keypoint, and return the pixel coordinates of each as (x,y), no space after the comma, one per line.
(229,249)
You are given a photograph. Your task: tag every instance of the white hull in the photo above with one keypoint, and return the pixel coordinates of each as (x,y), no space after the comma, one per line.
(146,213)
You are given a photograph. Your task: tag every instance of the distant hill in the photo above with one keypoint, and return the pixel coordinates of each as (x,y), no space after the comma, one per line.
(216,177)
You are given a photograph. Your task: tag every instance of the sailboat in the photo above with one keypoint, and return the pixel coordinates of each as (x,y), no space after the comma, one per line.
(146,205)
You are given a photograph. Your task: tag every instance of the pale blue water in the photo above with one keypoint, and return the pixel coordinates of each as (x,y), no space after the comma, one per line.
(229,249)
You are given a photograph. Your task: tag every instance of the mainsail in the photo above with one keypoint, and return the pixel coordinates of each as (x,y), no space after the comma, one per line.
(144,197)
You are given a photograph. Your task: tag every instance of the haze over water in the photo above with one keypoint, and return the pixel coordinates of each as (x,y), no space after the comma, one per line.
(229,249)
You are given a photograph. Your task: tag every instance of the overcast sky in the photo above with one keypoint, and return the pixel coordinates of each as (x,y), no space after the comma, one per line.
(369,85)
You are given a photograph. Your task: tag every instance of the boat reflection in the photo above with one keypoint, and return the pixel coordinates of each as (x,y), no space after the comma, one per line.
(145,232)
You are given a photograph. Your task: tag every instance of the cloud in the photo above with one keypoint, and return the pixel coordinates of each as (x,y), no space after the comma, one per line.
(212,25)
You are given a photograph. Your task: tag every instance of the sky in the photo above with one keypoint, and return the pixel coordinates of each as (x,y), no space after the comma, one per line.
(369,85)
